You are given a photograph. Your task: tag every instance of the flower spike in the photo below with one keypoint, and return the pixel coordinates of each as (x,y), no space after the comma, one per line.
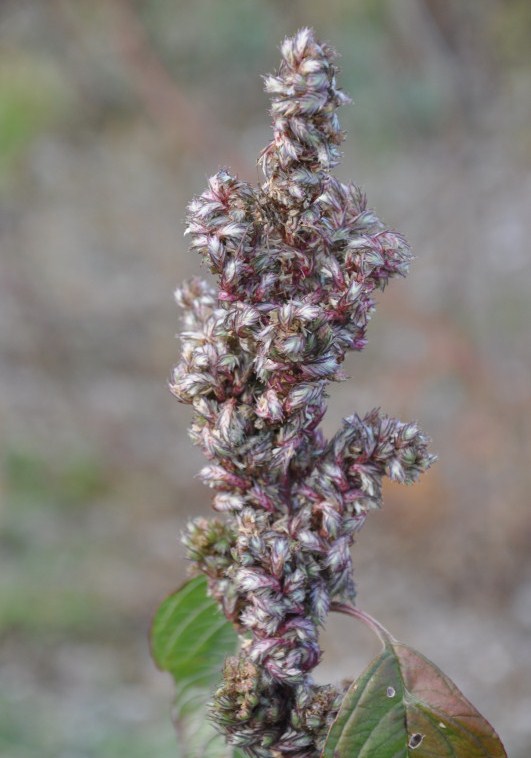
(297,261)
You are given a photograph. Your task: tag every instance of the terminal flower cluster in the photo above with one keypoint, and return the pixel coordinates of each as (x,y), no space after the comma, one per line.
(298,260)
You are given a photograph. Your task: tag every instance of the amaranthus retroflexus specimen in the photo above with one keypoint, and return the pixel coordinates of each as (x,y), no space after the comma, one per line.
(298,260)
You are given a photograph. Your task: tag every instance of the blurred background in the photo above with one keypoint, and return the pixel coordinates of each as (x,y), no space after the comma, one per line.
(113,113)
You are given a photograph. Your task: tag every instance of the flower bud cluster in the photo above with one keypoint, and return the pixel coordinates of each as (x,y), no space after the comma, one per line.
(297,260)
(260,717)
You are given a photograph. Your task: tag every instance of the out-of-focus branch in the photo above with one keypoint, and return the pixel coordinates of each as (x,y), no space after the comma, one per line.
(422,41)
(449,39)
(163,99)
(172,110)
(159,93)
(77,51)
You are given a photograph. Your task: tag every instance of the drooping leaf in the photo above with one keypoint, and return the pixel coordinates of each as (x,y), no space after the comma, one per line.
(403,705)
(190,639)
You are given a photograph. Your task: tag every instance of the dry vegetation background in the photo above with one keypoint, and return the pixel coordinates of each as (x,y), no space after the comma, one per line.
(112,115)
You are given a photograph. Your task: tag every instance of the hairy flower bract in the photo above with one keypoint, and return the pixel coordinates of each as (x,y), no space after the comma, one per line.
(298,260)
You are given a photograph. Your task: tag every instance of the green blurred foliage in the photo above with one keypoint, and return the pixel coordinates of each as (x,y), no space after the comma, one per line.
(29,729)
(31,478)
(34,98)
(36,489)
(51,606)
(510,28)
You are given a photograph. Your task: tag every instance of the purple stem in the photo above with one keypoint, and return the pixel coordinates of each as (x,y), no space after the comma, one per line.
(374,625)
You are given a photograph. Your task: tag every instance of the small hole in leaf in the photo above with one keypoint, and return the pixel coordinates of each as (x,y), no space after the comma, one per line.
(415,740)
(391,692)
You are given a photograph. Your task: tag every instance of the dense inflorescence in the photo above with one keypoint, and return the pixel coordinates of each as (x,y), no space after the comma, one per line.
(298,260)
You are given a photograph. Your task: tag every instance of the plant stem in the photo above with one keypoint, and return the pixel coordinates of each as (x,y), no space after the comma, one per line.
(349,610)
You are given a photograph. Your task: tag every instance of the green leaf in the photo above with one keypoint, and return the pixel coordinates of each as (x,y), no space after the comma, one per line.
(190,639)
(403,705)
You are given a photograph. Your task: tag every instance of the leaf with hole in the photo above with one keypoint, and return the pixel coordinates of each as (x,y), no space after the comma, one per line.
(403,705)
(190,639)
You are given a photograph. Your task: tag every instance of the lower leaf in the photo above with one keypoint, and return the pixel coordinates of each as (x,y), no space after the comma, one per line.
(403,705)
(191,639)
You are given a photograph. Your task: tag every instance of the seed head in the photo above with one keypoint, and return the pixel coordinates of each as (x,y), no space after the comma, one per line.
(297,260)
